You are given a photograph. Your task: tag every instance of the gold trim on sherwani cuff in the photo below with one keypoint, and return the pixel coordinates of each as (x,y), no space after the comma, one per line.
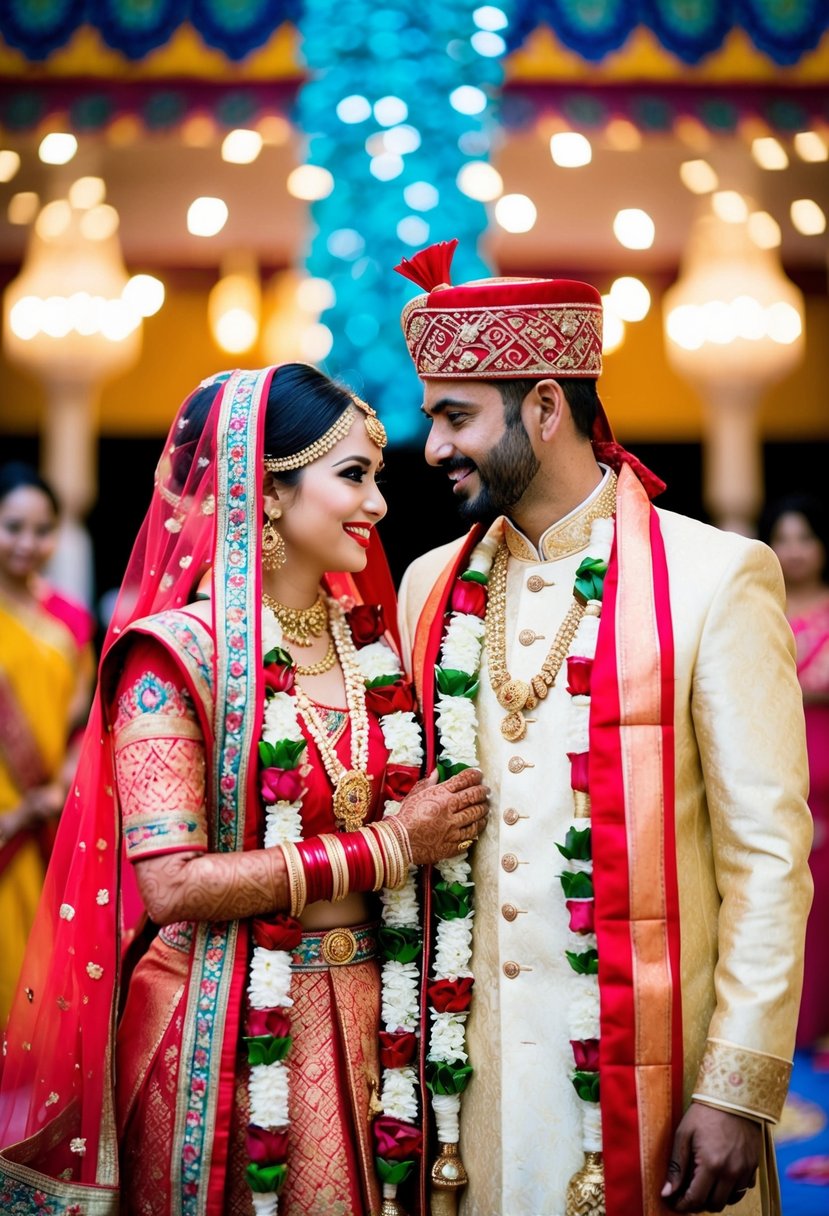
(739,1079)
(569,535)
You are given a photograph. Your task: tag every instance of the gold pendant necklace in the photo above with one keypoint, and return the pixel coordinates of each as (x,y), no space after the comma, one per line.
(514,695)
(352,787)
(300,625)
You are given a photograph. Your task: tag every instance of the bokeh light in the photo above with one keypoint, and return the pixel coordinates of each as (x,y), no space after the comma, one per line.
(634,228)
(206,216)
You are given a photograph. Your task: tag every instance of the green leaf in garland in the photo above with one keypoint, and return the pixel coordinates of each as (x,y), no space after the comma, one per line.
(475,576)
(585,962)
(266,1178)
(454,683)
(589,583)
(393,1171)
(577,845)
(452,900)
(586,1085)
(382,681)
(267,1048)
(285,754)
(443,1078)
(402,944)
(445,771)
(576,886)
(278,656)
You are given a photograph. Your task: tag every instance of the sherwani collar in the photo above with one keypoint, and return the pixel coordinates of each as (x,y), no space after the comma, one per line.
(570,534)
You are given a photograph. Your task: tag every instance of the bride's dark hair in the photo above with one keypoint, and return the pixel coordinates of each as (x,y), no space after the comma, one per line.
(303,403)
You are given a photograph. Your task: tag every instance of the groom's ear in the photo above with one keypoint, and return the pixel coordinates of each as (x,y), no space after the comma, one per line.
(549,406)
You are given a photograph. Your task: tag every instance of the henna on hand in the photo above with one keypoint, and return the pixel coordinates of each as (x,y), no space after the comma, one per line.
(438,817)
(213,886)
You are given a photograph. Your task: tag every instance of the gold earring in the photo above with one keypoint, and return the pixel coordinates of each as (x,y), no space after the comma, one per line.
(273,546)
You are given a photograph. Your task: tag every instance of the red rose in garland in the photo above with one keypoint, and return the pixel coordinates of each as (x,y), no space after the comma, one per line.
(280,785)
(279,932)
(396,1141)
(468,597)
(261,1022)
(397,1048)
(451,996)
(400,779)
(390,698)
(366,624)
(265,1147)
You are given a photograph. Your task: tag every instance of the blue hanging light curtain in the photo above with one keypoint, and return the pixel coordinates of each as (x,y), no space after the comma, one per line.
(400,98)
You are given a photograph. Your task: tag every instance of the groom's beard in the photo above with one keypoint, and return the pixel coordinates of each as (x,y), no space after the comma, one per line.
(504,475)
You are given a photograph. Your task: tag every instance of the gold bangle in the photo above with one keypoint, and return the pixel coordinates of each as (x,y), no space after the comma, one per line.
(339,866)
(297,885)
(402,835)
(373,845)
(396,870)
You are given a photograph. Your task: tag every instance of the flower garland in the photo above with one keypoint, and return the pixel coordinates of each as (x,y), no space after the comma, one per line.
(577,879)
(398,1138)
(448,1070)
(268,1039)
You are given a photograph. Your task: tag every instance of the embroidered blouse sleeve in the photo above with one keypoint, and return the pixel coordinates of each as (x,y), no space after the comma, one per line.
(159,757)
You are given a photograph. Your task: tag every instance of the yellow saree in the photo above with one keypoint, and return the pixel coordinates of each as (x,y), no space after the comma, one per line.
(44,670)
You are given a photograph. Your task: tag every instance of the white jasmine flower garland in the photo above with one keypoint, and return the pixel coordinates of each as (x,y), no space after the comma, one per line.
(270,979)
(457,722)
(399,1094)
(400,981)
(403,738)
(268,1089)
(270,970)
(378,659)
(399,1002)
(453,950)
(584,1009)
(456,726)
(462,643)
(281,718)
(447,1038)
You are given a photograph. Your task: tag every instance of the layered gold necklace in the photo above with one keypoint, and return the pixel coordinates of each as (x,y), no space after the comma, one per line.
(352,786)
(513,695)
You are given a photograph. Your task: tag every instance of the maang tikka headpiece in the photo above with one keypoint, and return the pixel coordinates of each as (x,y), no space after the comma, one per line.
(374,427)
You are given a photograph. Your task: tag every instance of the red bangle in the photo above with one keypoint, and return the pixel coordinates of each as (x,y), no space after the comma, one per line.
(360,861)
(318,874)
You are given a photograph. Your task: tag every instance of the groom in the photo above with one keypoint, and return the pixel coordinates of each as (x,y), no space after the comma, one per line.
(643,885)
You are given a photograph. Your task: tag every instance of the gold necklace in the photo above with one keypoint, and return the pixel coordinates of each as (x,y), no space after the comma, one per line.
(322,665)
(517,695)
(300,625)
(352,787)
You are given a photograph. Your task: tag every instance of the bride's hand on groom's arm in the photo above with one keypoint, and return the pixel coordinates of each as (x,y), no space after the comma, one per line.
(442,819)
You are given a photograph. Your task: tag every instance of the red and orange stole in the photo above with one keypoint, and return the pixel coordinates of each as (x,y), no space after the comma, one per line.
(631,777)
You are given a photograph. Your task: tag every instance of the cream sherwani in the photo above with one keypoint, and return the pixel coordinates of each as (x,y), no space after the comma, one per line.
(743,837)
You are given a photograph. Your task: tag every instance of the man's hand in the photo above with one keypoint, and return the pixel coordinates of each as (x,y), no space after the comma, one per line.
(713,1161)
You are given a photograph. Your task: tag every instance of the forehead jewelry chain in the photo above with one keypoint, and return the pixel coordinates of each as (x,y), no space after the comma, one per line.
(300,625)
(352,787)
(517,695)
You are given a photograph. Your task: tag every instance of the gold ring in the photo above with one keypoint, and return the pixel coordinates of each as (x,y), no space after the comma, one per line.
(464,845)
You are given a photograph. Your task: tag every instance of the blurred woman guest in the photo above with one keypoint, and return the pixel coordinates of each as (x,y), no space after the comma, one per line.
(248,781)
(46,670)
(796,527)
